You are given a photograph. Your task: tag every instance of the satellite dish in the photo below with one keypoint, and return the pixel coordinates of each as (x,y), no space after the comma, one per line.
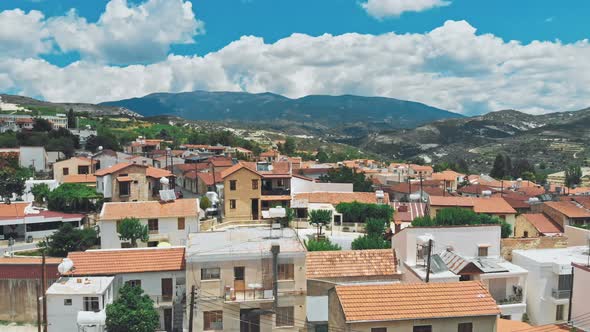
(164,180)
(65,266)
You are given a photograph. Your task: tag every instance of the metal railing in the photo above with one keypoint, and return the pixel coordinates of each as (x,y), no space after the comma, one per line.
(162,299)
(512,299)
(560,293)
(250,294)
(276,191)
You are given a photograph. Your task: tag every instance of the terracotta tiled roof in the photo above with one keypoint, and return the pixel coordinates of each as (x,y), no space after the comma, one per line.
(479,205)
(414,210)
(451,201)
(110,262)
(270,153)
(79,178)
(421,168)
(191,167)
(229,171)
(543,224)
(221,162)
(569,209)
(15,209)
(475,189)
(115,168)
(532,191)
(157,173)
(447,175)
(314,170)
(207,178)
(149,209)
(507,325)
(279,168)
(28,260)
(350,263)
(415,301)
(583,200)
(335,198)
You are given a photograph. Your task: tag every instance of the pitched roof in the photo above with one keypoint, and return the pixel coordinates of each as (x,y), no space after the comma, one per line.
(25,260)
(507,325)
(479,205)
(221,162)
(387,302)
(207,178)
(14,209)
(115,168)
(543,224)
(413,211)
(447,175)
(157,173)
(350,263)
(569,209)
(79,178)
(335,197)
(475,189)
(110,262)
(149,209)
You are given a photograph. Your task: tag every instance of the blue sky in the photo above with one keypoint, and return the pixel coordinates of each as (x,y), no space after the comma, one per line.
(459,45)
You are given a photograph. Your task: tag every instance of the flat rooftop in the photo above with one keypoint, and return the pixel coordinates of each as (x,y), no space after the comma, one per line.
(556,255)
(232,243)
(80,285)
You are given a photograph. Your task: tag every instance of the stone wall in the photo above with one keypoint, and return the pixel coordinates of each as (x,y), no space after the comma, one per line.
(544,242)
(19,300)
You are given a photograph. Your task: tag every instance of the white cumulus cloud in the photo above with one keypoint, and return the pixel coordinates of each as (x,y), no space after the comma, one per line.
(23,34)
(392,8)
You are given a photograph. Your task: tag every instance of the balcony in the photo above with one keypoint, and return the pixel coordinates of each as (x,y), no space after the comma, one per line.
(276,191)
(560,294)
(162,300)
(512,299)
(251,294)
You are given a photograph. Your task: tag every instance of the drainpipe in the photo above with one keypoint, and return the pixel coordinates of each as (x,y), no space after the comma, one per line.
(275,249)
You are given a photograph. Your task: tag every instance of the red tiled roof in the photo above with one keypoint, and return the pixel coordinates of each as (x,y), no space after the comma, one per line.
(79,178)
(479,205)
(157,173)
(414,210)
(229,171)
(334,197)
(447,175)
(543,224)
(475,189)
(569,209)
(115,168)
(350,263)
(13,210)
(111,262)
(410,301)
(149,209)
(207,178)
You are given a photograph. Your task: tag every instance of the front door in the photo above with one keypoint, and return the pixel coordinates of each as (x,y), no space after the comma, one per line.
(249,320)
(255,209)
(168,319)
(167,289)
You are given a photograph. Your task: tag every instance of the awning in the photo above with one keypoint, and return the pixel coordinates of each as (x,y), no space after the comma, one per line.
(124,179)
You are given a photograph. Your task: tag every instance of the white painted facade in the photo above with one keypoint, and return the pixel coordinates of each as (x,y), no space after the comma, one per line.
(581,290)
(547,297)
(30,183)
(67,297)
(299,185)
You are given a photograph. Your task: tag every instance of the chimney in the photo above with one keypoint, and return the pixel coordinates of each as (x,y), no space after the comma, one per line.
(275,249)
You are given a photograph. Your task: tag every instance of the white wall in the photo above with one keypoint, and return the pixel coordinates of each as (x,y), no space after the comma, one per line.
(28,197)
(63,318)
(580,298)
(299,185)
(33,156)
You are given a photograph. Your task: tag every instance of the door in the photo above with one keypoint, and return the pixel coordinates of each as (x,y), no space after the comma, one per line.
(168,319)
(249,320)
(167,289)
(239,281)
(255,209)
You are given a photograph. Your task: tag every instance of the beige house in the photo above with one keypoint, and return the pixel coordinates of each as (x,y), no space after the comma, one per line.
(241,193)
(535,225)
(72,166)
(236,271)
(128,182)
(425,307)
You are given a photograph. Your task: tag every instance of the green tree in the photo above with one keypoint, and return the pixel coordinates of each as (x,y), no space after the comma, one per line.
(290,146)
(320,218)
(499,169)
(348,175)
(321,245)
(322,157)
(40,192)
(42,125)
(366,242)
(74,197)
(71,119)
(359,212)
(573,176)
(459,216)
(204,203)
(12,181)
(67,239)
(133,311)
(107,141)
(131,229)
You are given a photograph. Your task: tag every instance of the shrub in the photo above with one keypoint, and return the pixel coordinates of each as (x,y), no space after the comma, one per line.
(321,245)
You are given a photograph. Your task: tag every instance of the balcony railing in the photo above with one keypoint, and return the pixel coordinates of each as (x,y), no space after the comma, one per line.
(512,299)
(276,191)
(160,300)
(249,294)
(560,293)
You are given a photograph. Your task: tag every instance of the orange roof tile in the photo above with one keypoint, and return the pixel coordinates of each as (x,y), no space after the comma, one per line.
(157,173)
(229,171)
(350,263)
(115,168)
(335,197)
(14,209)
(507,325)
(569,209)
(19,260)
(447,175)
(451,201)
(542,223)
(79,178)
(149,209)
(110,262)
(479,205)
(415,301)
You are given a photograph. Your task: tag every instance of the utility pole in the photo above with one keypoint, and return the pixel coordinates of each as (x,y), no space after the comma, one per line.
(44,289)
(428,262)
(38,309)
(421,190)
(192,307)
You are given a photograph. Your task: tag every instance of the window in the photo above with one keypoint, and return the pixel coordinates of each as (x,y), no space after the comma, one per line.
(559,312)
(232,203)
(124,188)
(526,234)
(153,225)
(181,221)
(254,184)
(232,184)
(280,183)
(379,329)
(564,282)
(152,244)
(422,328)
(213,320)
(67,301)
(465,327)
(91,303)
(125,244)
(285,316)
(482,251)
(285,272)
(65,171)
(134,283)
(239,272)
(210,273)
(83,169)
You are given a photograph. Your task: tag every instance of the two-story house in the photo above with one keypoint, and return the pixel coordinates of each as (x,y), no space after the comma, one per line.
(462,253)
(72,166)
(549,281)
(128,182)
(169,222)
(160,272)
(420,307)
(241,193)
(566,213)
(78,303)
(249,279)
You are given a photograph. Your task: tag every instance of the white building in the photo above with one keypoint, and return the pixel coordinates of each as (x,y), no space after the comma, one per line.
(78,304)
(169,222)
(30,156)
(461,253)
(160,272)
(550,281)
(580,291)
